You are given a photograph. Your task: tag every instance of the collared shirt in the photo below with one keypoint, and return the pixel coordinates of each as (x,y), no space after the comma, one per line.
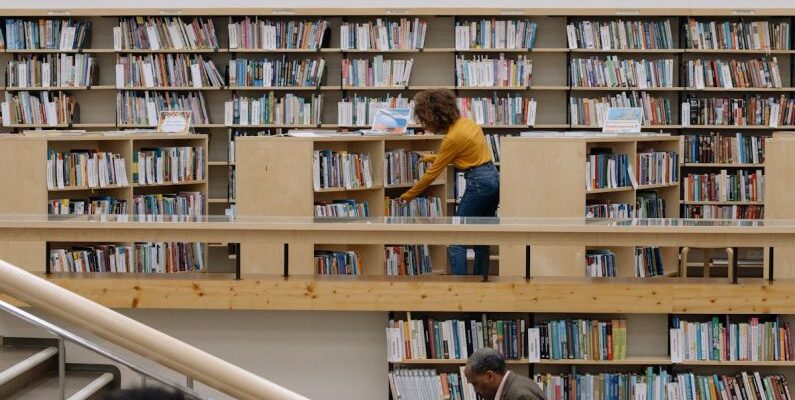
(502,384)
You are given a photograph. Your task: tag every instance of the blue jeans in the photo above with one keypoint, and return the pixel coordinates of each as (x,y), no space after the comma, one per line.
(481,198)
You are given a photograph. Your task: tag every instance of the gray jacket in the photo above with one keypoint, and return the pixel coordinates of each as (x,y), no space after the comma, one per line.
(518,387)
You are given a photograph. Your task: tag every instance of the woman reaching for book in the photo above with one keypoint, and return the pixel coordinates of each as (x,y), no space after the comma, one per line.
(464,146)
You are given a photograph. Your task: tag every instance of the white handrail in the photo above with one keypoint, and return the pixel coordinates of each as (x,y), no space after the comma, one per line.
(139,338)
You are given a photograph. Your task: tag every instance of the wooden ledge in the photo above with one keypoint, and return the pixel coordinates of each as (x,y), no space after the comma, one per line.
(434,293)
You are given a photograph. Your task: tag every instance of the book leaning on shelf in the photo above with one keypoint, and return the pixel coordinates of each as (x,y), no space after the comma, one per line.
(154,257)
(331,169)
(166,70)
(604,170)
(592,111)
(737,35)
(614,72)
(51,70)
(40,109)
(487,72)
(164,33)
(600,263)
(759,73)
(361,110)
(416,207)
(276,73)
(746,111)
(508,110)
(184,203)
(94,205)
(657,167)
(648,262)
(291,109)
(55,34)
(162,165)
(85,168)
(495,34)
(744,186)
(143,108)
(255,33)
(648,204)
(620,34)
(403,167)
(720,339)
(383,34)
(408,260)
(378,72)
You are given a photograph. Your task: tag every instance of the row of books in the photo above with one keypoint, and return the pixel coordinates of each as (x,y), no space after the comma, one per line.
(51,70)
(509,110)
(591,111)
(161,165)
(722,212)
(378,72)
(662,386)
(746,111)
(167,70)
(600,263)
(648,262)
(403,167)
(493,141)
(44,108)
(143,108)
(182,203)
(495,34)
(724,186)
(579,339)
(56,34)
(85,168)
(94,205)
(722,340)
(255,33)
(613,72)
(154,257)
(416,207)
(737,35)
(648,205)
(268,109)
(342,208)
(337,263)
(408,260)
(331,169)
(620,34)
(420,339)
(428,384)
(383,34)
(164,33)
(488,72)
(657,167)
(276,73)
(603,170)
(758,73)
(722,149)
(361,110)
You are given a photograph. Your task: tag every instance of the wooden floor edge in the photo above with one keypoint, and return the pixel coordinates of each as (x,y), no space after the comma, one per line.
(538,295)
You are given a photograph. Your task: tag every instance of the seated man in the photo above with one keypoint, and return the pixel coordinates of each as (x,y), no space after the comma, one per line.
(485,370)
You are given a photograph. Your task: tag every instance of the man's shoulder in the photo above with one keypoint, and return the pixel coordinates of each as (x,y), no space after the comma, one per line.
(522,388)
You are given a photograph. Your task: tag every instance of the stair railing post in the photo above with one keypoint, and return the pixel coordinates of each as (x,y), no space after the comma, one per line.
(61,369)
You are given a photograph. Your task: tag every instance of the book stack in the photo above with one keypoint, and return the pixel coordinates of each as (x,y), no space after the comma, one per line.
(376,73)
(167,70)
(746,111)
(493,141)
(657,167)
(495,34)
(721,340)
(157,257)
(383,35)
(610,210)
(408,260)
(85,168)
(162,165)
(167,257)
(253,33)
(744,186)
(600,263)
(344,208)
(276,73)
(758,73)
(735,35)
(268,109)
(331,169)
(487,72)
(591,111)
(648,262)
(456,339)
(143,109)
(183,203)
(95,205)
(603,170)
(337,263)
(403,167)
(722,212)
(417,207)
(508,110)
(613,72)
(649,205)
(40,109)
(715,148)
(620,34)
(580,339)
(51,70)
(55,34)
(164,33)
(428,384)
(360,111)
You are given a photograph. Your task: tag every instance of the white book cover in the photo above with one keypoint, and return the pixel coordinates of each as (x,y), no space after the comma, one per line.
(775,115)
(149,78)
(154,41)
(120,76)
(228,113)
(176,37)
(243,112)
(22,73)
(151,113)
(196,75)
(59,177)
(676,346)
(685,114)
(6,113)
(93,176)
(52,114)
(533,345)
(117,38)
(46,79)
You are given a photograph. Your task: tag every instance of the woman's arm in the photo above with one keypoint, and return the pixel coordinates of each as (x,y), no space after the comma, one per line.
(447,152)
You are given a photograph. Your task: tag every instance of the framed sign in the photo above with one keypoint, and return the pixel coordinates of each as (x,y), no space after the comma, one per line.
(174,121)
(623,120)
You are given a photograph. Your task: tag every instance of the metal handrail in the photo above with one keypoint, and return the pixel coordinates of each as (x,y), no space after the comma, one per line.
(92,346)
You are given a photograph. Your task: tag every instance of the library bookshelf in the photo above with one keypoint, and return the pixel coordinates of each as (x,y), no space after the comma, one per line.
(24,159)
(275,179)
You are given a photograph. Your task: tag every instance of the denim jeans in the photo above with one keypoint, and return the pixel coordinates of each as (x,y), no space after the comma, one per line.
(480,199)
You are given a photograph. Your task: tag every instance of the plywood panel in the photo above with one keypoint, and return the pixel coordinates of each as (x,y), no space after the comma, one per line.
(779,192)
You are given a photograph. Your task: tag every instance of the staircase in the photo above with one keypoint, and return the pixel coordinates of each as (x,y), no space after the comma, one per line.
(29,371)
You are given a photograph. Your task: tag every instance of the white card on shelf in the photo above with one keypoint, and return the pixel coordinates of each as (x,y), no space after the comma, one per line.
(149,78)
(533,345)
(52,114)
(120,76)
(196,75)
(6,110)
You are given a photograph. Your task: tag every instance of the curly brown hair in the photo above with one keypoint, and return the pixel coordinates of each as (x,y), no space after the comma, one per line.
(436,110)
